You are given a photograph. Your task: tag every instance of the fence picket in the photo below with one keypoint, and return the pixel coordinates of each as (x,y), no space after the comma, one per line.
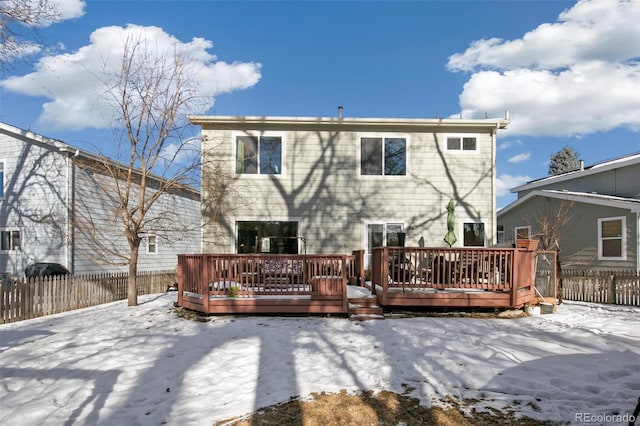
(49,295)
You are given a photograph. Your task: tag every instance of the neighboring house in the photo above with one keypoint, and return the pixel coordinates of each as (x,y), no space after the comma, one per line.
(57,205)
(323,185)
(600,226)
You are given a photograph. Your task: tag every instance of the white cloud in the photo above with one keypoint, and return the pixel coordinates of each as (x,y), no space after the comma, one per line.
(505,182)
(68,9)
(519,158)
(578,76)
(74,82)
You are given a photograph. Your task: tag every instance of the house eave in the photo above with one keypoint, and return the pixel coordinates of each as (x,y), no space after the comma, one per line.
(233,122)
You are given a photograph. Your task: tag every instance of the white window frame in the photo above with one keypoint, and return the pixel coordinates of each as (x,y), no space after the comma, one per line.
(460,236)
(461,136)
(500,234)
(155,239)
(384,136)
(3,172)
(385,223)
(12,243)
(281,135)
(622,238)
(517,228)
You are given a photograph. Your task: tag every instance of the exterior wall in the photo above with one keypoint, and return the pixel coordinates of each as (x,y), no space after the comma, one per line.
(579,237)
(35,196)
(622,182)
(100,241)
(321,186)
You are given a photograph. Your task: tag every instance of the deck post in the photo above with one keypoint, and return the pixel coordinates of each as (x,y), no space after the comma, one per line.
(180,278)
(206,275)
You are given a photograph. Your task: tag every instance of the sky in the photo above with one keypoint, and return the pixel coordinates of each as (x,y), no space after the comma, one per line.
(568,72)
(147,366)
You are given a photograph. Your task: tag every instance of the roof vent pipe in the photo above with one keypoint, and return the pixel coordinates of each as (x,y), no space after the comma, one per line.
(582,165)
(340,112)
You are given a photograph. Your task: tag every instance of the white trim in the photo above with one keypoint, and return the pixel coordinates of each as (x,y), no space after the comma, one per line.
(461,151)
(383,136)
(3,171)
(365,236)
(623,238)
(11,230)
(258,134)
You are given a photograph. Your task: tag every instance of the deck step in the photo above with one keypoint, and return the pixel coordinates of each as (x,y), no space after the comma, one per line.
(364,308)
(364,301)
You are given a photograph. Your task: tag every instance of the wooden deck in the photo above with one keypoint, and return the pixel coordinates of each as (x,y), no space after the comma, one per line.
(317,284)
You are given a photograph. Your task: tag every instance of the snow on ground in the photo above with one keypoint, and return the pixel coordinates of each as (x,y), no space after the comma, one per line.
(114,364)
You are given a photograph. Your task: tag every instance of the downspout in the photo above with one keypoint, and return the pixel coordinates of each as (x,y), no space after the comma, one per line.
(494,214)
(69,228)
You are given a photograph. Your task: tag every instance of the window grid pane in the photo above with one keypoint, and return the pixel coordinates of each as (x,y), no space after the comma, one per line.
(612,248)
(247,155)
(371,156)
(469,144)
(395,156)
(473,235)
(611,228)
(270,155)
(453,143)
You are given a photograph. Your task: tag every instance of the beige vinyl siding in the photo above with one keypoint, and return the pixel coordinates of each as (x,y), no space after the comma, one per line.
(322,186)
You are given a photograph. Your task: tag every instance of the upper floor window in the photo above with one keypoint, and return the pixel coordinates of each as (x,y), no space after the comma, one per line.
(463,143)
(259,155)
(10,240)
(612,238)
(1,179)
(383,156)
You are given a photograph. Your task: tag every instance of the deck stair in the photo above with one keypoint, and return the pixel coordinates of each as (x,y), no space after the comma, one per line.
(364,308)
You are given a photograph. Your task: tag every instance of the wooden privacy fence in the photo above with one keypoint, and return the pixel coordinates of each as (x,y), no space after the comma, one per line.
(614,287)
(38,297)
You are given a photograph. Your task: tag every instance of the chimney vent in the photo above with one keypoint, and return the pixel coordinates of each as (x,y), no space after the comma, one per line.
(340,112)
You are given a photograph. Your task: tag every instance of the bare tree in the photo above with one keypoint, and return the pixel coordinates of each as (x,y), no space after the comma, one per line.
(152,93)
(19,20)
(551,219)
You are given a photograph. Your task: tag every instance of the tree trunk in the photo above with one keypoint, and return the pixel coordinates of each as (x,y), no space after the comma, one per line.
(132,290)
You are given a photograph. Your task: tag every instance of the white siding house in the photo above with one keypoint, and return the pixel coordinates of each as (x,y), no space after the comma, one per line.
(332,185)
(55,206)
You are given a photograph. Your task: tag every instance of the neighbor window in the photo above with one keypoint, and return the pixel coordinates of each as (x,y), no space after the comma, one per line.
(461,143)
(268,237)
(473,234)
(1,179)
(383,156)
(500,234)
(152,244)
(260,155)
(523,232)
(10,240)
(612,241)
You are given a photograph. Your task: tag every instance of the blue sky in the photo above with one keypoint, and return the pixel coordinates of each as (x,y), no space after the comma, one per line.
(568,72)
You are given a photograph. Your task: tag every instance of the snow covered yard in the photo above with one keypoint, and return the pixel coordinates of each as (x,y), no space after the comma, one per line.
(113,364)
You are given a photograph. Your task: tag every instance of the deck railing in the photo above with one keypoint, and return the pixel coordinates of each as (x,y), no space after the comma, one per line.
(492,269)
(212,276)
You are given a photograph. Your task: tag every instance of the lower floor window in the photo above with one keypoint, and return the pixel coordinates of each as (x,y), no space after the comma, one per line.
(267,237)
(473,234)
(383,234)
(10,240)
(612,238)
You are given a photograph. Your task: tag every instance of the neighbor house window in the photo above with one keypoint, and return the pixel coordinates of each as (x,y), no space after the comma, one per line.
(383,156)
(612,239)
(461,143)
(268,237)
(260,155)
(382,234)
(500,234)
(152,244)
(523,232)
(10,240)
(1,179)
(473,234)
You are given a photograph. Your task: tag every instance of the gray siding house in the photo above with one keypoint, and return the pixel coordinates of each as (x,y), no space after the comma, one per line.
(56,205)
(600,214)
(321,185)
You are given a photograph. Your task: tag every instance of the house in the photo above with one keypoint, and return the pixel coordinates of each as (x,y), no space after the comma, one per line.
(331,185)
(57,205)
(596,211)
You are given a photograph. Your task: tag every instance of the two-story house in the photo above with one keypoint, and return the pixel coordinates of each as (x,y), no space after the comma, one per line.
(57,205)
(323,185)
(593,213)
